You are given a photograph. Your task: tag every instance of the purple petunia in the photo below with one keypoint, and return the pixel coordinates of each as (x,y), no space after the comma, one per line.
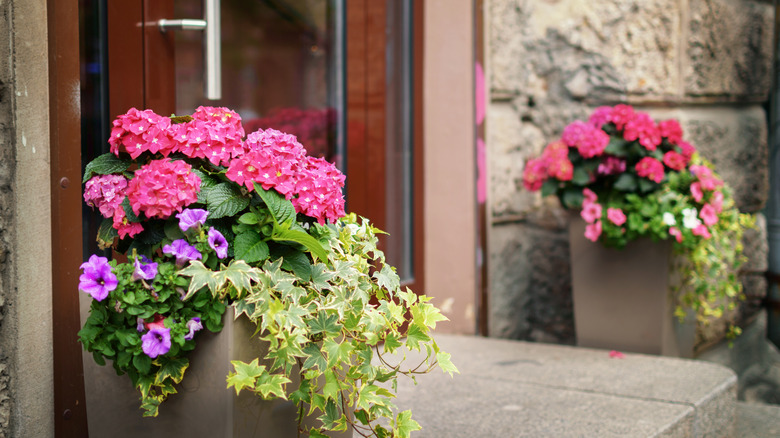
(193,325)
(183,252)
(192,218)
(145,269)
(218,243)
(156,342)
(97,279)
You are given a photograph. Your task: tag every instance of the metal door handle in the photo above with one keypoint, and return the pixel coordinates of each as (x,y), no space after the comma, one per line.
(212,47)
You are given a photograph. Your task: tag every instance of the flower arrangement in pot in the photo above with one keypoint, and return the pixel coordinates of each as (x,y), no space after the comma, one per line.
(208,218)
(631,177)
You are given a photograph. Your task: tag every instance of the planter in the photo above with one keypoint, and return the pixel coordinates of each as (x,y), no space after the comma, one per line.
(623,299)
(204,406)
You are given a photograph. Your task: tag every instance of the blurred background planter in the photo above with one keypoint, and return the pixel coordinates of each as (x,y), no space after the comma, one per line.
(624,298)
(203,407)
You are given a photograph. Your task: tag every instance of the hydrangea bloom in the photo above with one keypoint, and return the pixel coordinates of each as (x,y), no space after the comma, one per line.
(643,128)
(534,174)
(650,168)
(319,190)
(675,161)
(272,159)
(145,269)
(218,243)
(105,192)
(601,116)
(97,279)
(183,251)
(589,140)
(161,187)
(671,130)
(123,226)
(621,114)
(156,342)
(137,131)
(611,166)
(593,231)
(192,218)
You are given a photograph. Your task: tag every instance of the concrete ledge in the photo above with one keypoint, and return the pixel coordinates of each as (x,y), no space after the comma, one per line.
(511,388)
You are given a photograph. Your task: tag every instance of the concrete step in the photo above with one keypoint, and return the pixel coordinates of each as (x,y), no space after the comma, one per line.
(519,389)
(757,421)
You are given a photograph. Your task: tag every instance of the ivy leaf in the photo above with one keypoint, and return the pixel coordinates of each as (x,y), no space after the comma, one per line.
(201,276)
(324,323)
(415,335)
(224,200)
(281,209)
(368,396)
(271,384)
(241,275)
(331,388)
(105,164)
(387,278)
(446,365)
(404,425)
(245,374)
(172,369)
(250,247)
(337,352)
(315,359)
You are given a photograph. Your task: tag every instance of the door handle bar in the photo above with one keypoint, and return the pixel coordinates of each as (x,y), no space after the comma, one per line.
(212,47)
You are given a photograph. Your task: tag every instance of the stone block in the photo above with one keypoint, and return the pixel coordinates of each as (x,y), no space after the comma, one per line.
(593,49)
(530,291)
(729,49)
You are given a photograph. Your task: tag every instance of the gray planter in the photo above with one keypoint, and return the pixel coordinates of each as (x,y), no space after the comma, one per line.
(204,406)
(623,299)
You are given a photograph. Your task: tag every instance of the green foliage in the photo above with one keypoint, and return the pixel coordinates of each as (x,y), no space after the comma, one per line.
(104,165)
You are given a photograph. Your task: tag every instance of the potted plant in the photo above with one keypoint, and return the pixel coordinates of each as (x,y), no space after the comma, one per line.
(208,221)
(655,231)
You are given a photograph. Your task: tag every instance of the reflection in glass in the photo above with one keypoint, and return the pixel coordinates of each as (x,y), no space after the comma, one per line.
(282,68)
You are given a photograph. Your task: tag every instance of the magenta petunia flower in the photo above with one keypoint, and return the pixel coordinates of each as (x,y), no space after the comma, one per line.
(156,342)
(218,243)
(192,218)
(591,211)
(183,252)
(708,215)
(593,231)
(145,269)
(98,279)
(193,326)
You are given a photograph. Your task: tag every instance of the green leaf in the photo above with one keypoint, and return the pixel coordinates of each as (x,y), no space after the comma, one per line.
(626,183)
(250,247)
(446,365)
(172,369)
(331,388)
(201,276)
(415,335)
(142,363)
(225,199)
(645,185)
(106,233)
(324,323)
(404,425)
(249,218)
(106,164)
(293,260)
(580,177)
(312,244)
(245,375)
(281,209)
(550,187)
(129,214)
(315,359)
(617,146)
(572,198)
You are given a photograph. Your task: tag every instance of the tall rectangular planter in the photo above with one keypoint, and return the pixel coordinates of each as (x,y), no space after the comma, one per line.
(203,407)
(624,299)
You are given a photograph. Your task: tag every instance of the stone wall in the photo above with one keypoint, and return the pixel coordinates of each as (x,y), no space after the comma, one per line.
(549,62)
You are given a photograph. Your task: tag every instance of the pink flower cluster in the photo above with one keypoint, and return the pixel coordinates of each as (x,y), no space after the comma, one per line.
(271,158)
(106,193)
(162,187)
(553,163)
(592,214)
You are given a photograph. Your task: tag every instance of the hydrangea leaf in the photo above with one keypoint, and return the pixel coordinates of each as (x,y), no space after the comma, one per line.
(311,244)
(626,182)
(250,247)
(281,209)
(105,164)
(106,233)
(224,199)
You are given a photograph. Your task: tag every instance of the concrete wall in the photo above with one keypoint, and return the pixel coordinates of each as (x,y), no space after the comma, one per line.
(705,62)
(26,406)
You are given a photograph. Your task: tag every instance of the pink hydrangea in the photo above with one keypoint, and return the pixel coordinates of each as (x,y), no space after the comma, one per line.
(616,216)
(671,130)
(590,141)
(643,128)
(650,168)
(106,193)
(272,159)
(611,166)
(593,231)
(535,174)
(686,149)
(675,161)
(222,131)
(318,190)
(600,116)
(621,114)
(123,226)
(137,131)
(161,187)
(555,151)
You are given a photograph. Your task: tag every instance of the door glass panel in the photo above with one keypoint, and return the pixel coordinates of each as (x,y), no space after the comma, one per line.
(282,68)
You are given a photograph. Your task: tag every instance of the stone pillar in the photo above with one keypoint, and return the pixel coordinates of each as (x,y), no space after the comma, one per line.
(550,62)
